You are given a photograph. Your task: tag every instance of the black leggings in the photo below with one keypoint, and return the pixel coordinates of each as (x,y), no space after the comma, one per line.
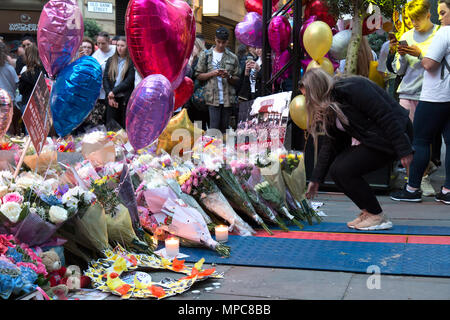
(348,169)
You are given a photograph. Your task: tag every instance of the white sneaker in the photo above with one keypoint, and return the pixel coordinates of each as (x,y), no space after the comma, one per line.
(375,222)
(427,188)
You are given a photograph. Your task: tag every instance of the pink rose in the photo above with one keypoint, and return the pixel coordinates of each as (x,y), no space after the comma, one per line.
(12,197)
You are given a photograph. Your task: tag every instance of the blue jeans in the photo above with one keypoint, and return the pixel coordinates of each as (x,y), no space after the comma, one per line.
(429,118)
(219,117)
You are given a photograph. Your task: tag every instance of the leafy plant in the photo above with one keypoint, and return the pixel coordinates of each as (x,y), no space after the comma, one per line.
(91,28)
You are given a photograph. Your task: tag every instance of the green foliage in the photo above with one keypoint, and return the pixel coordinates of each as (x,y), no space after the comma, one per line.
(376,41)
(91,28)
(340,7)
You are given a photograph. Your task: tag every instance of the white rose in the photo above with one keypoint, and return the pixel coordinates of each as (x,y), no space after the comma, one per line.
(25,182)
(57,214)
(11,210)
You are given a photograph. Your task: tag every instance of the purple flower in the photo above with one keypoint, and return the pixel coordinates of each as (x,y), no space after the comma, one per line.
(62,189)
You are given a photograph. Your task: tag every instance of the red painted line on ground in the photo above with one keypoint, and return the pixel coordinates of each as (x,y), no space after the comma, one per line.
(356,237)
(429,239)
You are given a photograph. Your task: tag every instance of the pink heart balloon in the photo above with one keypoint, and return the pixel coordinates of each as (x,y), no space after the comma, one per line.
(280,60)
(249,31)
(279,33)
(59,35)
(160,36)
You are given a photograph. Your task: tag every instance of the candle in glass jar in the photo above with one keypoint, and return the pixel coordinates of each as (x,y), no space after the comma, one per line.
(221,233)
(172,247)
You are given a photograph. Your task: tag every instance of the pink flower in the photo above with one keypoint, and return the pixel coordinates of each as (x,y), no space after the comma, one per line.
(189,189)
(13,197)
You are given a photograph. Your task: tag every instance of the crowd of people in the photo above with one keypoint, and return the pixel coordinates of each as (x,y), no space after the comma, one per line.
(415,71)
(367,128)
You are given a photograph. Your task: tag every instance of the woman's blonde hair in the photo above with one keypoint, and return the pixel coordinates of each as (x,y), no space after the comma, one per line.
(417,9)
(113,67)
(322,110)
(364,57)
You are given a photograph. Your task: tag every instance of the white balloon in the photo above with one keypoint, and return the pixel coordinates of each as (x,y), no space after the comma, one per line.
(338,50)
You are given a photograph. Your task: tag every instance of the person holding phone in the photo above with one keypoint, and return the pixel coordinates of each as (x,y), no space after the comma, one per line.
(433,112)
(219,67)
(251,86)
(411,48)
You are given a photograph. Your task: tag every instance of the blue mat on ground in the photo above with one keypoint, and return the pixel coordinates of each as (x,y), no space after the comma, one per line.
(391,258)
(397,229)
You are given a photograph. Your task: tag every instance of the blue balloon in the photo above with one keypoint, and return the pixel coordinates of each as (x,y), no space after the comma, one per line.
(74,93)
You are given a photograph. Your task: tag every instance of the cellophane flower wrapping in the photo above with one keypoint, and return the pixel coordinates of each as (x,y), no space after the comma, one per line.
(218,204)
(188,223)
(120,231)
(87,230)
(271,171)
(199,182)
(97,148)
(294,174)
(47,159)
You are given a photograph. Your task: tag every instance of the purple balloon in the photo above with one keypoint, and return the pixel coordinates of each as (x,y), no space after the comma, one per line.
(149,110)
(280,60)
(59,35)
(279,34)
(249,31)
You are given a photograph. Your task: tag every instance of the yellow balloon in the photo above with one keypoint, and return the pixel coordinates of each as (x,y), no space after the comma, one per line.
(179,121)
(298,113)
(317,39)
(324,63)
(374,75)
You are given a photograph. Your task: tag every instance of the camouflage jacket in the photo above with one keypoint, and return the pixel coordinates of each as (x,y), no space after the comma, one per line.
(230,62)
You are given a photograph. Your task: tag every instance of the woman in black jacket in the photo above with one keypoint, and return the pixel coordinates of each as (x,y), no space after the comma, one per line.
(252,77)
(29,77)
(365,129)
(118,82)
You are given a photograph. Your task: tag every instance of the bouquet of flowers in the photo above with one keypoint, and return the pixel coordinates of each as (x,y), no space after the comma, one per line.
(21,269)
(269,193)
(271,171)
(244,170)
(238,198)
(199,182)
(33,212)
(65,146)
(118,219)
(293,171)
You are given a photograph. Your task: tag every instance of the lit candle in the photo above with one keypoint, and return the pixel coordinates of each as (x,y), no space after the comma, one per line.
(221,233)
(172,247)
